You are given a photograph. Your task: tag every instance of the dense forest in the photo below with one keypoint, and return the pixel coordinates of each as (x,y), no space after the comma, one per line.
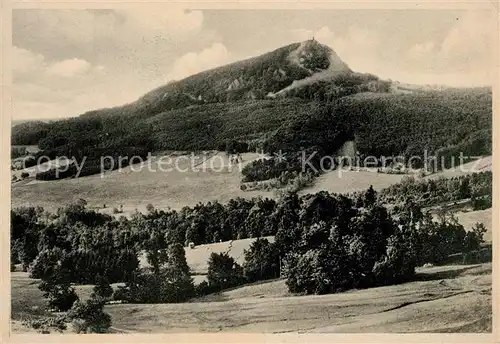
(342,242)
(29,133)
(441,123)
(381,125)
(95,162)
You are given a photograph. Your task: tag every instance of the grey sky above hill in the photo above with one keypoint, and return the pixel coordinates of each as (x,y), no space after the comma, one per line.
(66,62)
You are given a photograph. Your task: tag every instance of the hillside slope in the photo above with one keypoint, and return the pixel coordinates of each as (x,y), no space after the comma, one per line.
(134,190)
(298,96)
(444,299)
(249,79)
(239,82)
(455,298)
(387,124)
(253,78)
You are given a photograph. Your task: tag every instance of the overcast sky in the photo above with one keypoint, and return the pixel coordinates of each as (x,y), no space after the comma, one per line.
(66,62)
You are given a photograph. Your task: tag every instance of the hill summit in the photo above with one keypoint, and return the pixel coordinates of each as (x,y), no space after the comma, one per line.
(254,78)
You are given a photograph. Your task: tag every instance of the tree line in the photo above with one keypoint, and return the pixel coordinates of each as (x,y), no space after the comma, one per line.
(382,124)
(324,243)
(427,192)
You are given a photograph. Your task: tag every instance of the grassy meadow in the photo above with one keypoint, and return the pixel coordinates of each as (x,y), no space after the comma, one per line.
(442,299)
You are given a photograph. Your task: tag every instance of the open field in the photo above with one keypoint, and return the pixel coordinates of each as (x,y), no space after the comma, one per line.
(344,181)
(447,299)
(469,219)
(349,181)
(209,181)
(33,170)
(197,258)
(209,178)
(455,298)
(480,165)
(134,187)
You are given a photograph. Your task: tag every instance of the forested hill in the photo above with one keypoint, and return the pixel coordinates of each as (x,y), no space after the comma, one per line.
(254,78)
(298,96)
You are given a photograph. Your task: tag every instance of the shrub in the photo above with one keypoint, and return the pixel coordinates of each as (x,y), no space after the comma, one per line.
(223,271)
(480,256)
(180,286)
(79,325)
(30,161)
(150,288)
(449,238)
(320,271)
(82,244)
(170,282)
(233,147)
(370,197)
(473,239)
(261,261)
(150,208)
(112,263)
(102,288)
(121,293)
(204,289)
(51,267)
(428,192)
(398,265)
(115,158)
(17,152)
(57,173)
(47,324)
(482,203)
(61,296)
(25,230)
(89,316)
(44,265)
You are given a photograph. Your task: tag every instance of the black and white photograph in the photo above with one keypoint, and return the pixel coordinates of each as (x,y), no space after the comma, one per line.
(201,169)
